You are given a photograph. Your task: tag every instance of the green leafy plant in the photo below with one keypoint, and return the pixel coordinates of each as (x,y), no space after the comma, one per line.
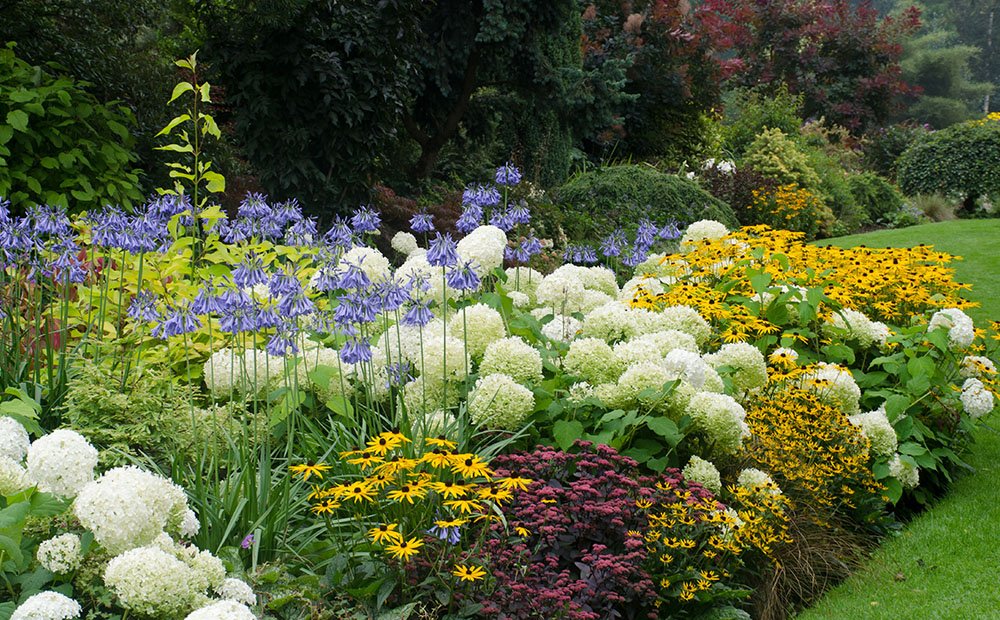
(188,131)
(58,144)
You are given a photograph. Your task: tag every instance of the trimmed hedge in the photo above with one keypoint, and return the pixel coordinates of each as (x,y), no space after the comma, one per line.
(962,161)
(620,196)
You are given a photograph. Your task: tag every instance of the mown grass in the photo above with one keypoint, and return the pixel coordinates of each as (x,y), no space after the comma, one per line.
(945,563)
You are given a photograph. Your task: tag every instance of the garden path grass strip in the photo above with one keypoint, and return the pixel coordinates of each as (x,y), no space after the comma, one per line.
(945,564)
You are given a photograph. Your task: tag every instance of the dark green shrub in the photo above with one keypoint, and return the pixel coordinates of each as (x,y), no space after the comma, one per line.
(619,196)
(962,161)
(751,111)
(779,157)
(835,190)
(58,144)
(878,197)
(883,148)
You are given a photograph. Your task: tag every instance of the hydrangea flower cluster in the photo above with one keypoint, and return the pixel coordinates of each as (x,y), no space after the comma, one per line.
(61,463)
(961,331)
(61,554)
(47,606)
(875,426)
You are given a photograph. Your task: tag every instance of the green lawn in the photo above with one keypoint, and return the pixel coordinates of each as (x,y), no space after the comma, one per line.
(946,563)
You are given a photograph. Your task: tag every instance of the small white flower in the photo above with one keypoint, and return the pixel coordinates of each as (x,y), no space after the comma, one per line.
(14,440)
(61,554)
(47,606)
(237,590)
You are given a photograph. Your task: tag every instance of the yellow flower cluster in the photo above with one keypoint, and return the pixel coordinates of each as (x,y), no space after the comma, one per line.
(691,541)
(394,484)
(812,448)
(992,117)
(788,206)
(716,277)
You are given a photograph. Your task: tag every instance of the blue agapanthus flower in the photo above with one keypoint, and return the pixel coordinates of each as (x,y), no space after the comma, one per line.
(356,350)
(508,175)
(365,219)
(250,272)
(443,251)
(418,315)
(462,277)
(471,218)
(613,244)
(143,307)
(422,223)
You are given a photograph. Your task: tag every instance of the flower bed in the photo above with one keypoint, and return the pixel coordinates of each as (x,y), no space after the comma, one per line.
(703,424)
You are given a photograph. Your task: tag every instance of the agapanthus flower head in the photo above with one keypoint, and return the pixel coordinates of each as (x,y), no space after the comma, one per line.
(296,305)
(398,374)
(143,307)
(356,350)
(463,277)
(177,320)
(282,343)
(480,196)
(670,231)
(520,214)
(502,219)
(205,302)
(250,271)
(508,175)
(365,219)
(355,308)
(451,534)
(471,218)
(418,314)
(50,221)
(254,207)
(283,283)
(354,277)
(612,244)
(422,223)
(646,234)
(340,234)
(393,294)
(302,232)
(580,254)
(288,212)
(634,256)
(442,252)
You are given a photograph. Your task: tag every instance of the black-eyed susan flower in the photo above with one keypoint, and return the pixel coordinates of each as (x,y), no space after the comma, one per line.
(464,506)
(307,470)
(386,532)
(395,465)
(522,531)
(407,493)
(359,492)
(366,459)
(378,481)
(470,466)
(326,506)
(405,549)
(437,458)
(447,488)
(441,442)
(520,484)
(384,443)
(494,493)
(468,573)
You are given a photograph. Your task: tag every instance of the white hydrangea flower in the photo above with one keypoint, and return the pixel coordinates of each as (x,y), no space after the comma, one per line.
(236,590)
(404,243)
(835,386)
(749,368)
(977,401)
(704,473)
(755,480)
(152,582)
(702,229)
(498,401)
(721,419)
(523,280)
(961,331)
(644,376)
(687,365)
(13,477)
(222,610)
(189,524)
(61,554)
(977,366)
(47,606)
(637,350)
(228,373)
(907,473)
(592,359)
(562,290)
(680,318)
(369,260)
(128,507)
(513,357)
(443,359)
(579,391)
(484,247)
(670,340)
(61,463)
(426,394)
(14,440)
(478,325)
(713,381)
(601,279)
(519,299)
(611,322)
(876,427)
(853,324)
(562,328)
(209,572)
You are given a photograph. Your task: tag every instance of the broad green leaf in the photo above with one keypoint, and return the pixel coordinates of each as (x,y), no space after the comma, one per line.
(11,549)
(666,428)
(177,120)
(215,182)
(180,89)
(565,432)
(18,119)
(341,406)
